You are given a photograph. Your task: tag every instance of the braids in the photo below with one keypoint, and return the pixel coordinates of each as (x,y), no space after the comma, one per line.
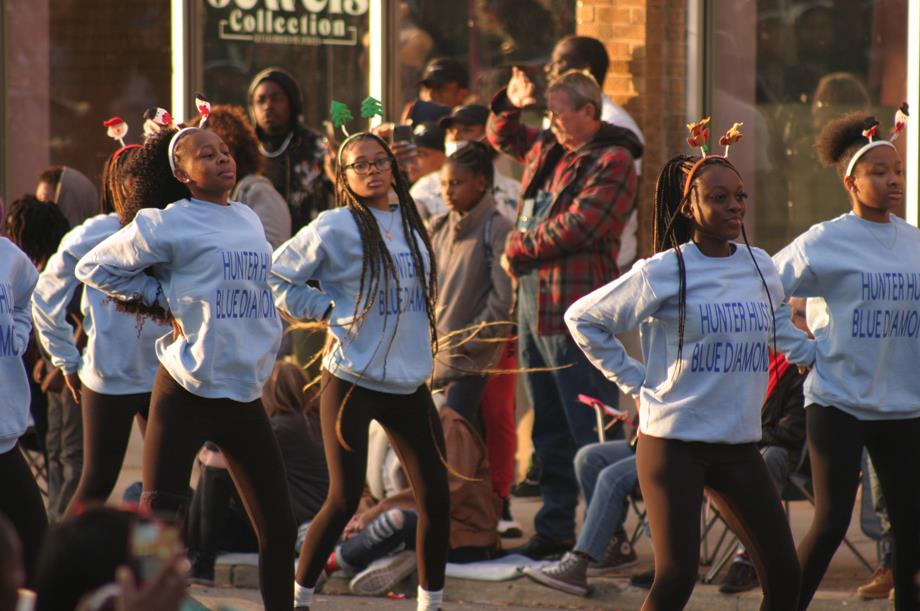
(376,255)
(113,195)
(477,158)
(36,227)
(671,229)
(153,184)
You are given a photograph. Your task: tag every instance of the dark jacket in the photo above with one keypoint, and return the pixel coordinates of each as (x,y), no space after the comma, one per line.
(592,190)
(304,463)
(783,412)
(297,173)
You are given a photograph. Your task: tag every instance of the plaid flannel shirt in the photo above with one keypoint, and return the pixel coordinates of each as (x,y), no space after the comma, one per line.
(593,192)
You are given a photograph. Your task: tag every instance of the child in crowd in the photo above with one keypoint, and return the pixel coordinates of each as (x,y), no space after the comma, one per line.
(863,390)
(111,377)
(705,374)
(374,262)
(202,263)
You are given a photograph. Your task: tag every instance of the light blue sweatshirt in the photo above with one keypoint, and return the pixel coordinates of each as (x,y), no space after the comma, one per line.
(17,280)
(381,355)
(120,357)
(209,265)
(714,393)
(865,277)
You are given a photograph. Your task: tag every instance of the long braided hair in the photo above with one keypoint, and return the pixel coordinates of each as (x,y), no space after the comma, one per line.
(671,229)
(376,255)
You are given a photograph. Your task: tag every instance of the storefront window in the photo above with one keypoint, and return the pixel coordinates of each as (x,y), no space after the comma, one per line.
(68,66)
(785,68)
(322,43)
(489,37)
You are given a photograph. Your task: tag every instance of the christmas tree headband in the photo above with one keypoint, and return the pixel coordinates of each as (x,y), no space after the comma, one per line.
(870,129)
(204,109)
(699,138)
(340,114)
(116,128)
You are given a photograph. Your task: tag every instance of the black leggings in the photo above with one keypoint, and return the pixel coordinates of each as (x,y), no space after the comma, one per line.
(835,444)
(672,476)
(179,424)
(21,502)
(107,422)
(413,426)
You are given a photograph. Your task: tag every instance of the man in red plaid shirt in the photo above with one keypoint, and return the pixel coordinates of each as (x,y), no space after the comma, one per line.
(578,189)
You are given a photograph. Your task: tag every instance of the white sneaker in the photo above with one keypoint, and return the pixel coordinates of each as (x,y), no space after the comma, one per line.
(382,575)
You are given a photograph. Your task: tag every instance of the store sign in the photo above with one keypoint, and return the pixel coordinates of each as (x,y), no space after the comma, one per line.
(289,22)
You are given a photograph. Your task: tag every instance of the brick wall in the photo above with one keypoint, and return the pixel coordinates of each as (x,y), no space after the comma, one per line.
(647,44)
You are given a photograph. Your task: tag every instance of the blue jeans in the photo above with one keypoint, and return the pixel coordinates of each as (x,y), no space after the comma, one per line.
(607,476)
(561,423)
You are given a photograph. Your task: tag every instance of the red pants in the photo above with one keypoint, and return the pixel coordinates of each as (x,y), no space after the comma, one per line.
(498,419)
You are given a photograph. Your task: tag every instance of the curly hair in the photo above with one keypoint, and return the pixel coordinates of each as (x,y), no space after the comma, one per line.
(153,184)
(113,194)
(841,138)
(36,227)
(230,123)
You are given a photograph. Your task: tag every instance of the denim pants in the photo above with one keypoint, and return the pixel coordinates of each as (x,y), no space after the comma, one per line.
(391,532)
(607,476)
(561,423)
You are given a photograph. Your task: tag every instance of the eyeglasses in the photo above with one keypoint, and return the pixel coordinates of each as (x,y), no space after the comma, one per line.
(362,168)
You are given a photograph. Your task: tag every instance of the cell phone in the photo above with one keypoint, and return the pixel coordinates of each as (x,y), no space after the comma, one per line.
(153,544)
(401,133)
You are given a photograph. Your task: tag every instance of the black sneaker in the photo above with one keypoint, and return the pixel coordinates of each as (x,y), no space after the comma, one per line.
(530,486)
(541,548)
(643,580)
(618,556)
(508,527)
(568,575)
(740,577)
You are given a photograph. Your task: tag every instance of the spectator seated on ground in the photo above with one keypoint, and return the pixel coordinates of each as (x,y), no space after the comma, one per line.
(217,518)
(377,544)
(92,562)
(783,426)
(607,477)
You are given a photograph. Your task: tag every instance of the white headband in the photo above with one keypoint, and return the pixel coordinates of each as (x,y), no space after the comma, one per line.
(172,145)
(865,149)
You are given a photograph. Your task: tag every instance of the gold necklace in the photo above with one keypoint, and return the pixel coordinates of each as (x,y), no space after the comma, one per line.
(390,226)
(879,240)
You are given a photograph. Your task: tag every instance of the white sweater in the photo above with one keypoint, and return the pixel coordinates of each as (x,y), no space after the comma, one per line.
(714,392)
(210,266)
(863,279)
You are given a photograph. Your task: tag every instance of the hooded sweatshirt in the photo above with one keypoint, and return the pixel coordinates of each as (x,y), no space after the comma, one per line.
(297,170)
(119,357)
(76,197)
(208,265)
(715,391)
(472,287)
(863,281)
(390,349)
(17,280)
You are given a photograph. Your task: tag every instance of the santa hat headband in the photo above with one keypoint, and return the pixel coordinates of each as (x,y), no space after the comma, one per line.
(870,130)
(155,120)
(699,138)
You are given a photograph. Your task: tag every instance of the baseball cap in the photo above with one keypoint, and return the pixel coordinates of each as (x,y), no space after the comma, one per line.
(470,114)
(429,135)
(441,70)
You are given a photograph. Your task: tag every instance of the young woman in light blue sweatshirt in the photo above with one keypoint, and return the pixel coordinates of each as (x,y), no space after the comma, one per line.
(373,261)
(112,376)
(861,270)
(202,263)
(704,307)
(20,499)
